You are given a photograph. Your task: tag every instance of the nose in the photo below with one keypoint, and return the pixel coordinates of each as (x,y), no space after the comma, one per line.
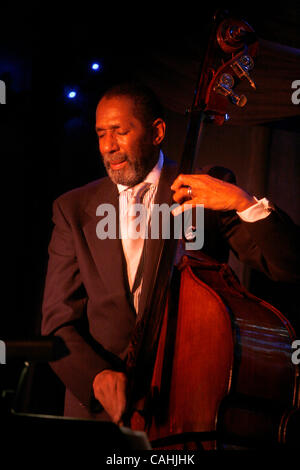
(108,143)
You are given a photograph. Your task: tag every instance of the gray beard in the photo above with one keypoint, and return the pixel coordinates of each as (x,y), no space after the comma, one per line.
(118,177)
(138,172)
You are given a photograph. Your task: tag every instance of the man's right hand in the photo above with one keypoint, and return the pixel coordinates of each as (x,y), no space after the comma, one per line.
(110,390)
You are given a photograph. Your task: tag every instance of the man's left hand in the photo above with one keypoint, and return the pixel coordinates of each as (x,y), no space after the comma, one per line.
(215,194)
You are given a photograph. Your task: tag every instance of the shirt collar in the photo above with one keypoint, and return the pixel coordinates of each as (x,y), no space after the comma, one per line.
(153,176)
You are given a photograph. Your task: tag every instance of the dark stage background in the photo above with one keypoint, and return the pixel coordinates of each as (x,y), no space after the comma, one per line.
(48,144)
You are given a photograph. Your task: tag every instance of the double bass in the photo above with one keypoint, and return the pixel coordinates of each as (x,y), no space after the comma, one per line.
(209,363)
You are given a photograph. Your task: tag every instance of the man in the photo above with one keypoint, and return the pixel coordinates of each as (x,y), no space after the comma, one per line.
(91,295)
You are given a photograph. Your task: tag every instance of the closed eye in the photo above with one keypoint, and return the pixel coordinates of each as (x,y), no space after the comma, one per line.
(122,133)
(101,132)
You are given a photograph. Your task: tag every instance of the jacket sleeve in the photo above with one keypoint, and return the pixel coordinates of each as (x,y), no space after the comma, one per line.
(63,313)
(270,245)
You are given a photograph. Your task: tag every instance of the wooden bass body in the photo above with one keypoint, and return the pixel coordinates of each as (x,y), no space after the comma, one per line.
(223,373)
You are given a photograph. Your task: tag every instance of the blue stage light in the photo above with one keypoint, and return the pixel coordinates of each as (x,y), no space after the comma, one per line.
(96,66)
(72,94)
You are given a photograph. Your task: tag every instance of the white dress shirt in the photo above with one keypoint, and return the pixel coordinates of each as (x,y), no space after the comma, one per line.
(148,201)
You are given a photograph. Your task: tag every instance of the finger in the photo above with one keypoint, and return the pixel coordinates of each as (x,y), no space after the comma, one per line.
(181,194)
(120,397)
(181,180)
(184,207)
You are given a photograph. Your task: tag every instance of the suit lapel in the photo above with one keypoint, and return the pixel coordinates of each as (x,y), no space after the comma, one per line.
(107,253)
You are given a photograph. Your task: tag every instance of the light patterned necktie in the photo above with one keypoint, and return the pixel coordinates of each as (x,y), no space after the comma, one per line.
(133,233)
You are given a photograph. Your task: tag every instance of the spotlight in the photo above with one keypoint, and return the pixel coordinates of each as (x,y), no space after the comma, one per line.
(96,66)
(72,94)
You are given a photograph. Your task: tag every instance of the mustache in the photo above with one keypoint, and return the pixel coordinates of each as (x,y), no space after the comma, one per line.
(115,159)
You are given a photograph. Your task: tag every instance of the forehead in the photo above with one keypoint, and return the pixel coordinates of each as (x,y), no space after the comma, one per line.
(115,108)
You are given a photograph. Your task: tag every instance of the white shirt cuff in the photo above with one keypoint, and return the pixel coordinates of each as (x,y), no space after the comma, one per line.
(258,211)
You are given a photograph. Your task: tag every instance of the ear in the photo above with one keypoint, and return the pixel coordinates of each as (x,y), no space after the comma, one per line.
(159,130)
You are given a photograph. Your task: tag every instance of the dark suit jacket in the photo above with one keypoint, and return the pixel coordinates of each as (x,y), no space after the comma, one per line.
(87,300)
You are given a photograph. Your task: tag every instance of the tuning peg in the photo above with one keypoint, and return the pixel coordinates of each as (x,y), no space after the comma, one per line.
(224,87)
(242,66)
